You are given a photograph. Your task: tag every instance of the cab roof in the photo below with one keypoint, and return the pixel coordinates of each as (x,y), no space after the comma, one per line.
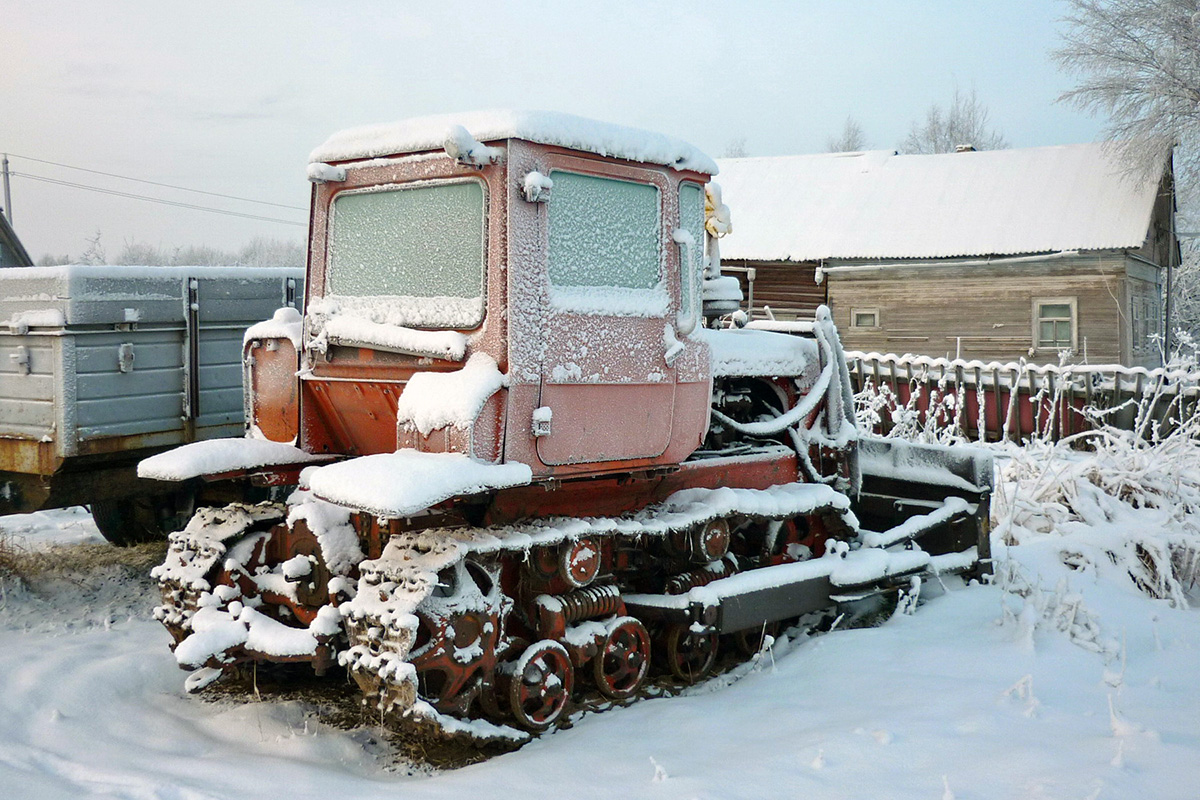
(543,127)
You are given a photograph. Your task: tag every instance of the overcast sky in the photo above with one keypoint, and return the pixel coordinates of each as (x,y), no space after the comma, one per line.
(230,97)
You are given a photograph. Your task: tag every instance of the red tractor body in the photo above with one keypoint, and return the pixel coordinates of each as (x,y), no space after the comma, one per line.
(547,435)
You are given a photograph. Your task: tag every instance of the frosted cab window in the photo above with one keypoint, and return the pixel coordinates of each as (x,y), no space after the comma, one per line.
(691,219)
(603,232)
(424,242)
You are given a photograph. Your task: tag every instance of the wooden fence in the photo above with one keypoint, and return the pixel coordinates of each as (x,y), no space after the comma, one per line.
(1019,401)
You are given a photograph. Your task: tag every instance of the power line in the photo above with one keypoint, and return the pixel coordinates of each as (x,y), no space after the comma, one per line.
(156,183)
(148,199)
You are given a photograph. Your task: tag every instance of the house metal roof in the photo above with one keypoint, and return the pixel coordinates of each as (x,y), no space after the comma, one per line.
(880,205)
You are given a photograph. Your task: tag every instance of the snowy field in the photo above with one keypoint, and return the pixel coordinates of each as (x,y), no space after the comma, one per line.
(1072,683)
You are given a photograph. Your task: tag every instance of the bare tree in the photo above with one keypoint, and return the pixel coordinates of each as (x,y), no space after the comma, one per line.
(735,148)
(264,252)
(1138,63)
(850,140)
(94,252)
(139,254)
(1187,295)
(259,252)
(965,122)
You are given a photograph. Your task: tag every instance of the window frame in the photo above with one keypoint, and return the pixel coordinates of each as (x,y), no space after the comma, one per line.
(693,283)
(1036,312)
(651,303)
(392,186)
(872,310)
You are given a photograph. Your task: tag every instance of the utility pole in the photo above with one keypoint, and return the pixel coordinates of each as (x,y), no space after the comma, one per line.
(7,194)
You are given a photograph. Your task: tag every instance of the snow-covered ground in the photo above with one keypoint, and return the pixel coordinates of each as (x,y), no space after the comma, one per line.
(44,528)
(1074,684)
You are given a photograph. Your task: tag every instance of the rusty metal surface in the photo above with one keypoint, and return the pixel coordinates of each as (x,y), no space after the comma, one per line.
(28,456)
(623,492)
(350,418)
(272,388)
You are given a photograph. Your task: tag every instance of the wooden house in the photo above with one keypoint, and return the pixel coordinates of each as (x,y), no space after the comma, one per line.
(12,252)
(992,255)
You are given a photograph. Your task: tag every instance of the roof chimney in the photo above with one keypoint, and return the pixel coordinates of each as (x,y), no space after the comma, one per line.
(964,148)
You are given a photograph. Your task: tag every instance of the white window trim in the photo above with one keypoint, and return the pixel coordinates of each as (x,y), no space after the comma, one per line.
(1055,301)
(854,312)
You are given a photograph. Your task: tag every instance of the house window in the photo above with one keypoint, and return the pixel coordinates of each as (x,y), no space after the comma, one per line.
(1139,323)
(864,318)
(1153,318)
(1054,323)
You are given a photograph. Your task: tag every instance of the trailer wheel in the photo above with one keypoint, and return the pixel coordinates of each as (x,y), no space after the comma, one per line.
(127,521)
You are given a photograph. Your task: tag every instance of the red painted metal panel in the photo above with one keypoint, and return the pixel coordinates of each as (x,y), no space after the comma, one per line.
(606,422)
(275,402)
(622,493)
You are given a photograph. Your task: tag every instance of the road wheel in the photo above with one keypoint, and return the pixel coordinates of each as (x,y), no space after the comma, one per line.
(541,684)
(621,666)
(690,655)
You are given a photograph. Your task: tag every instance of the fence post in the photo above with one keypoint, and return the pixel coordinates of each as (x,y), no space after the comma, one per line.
(1052,405)
(960,388)
(1015,397)
(1000,423)
(1087,396)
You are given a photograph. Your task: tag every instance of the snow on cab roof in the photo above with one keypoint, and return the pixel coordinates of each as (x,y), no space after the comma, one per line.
(883,205)
(543,127)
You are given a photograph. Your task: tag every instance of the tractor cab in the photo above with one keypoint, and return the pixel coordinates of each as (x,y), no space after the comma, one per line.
(516,287)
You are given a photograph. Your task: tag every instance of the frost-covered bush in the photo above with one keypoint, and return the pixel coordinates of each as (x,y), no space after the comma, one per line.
(1073,530)
(1123,509)
(1115,509)
(878,408)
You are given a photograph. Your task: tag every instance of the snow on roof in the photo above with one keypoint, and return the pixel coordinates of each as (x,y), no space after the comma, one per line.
(543,127)
(883,205)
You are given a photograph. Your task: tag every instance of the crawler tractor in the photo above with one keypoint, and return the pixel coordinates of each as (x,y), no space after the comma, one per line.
(535,457)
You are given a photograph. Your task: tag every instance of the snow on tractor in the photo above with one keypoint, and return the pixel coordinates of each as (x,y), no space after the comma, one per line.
(537,459)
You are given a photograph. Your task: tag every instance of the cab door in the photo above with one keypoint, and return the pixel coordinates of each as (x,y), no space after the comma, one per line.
(604,376)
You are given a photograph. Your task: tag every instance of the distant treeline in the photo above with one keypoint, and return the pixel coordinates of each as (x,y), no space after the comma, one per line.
(259,252)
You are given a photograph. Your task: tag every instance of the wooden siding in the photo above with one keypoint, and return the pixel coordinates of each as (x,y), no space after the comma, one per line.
(790,289)
(1159,242)
(984,313)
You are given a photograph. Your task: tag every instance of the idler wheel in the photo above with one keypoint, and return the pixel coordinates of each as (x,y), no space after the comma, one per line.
(690,655)
(541,685)
(621,666)
(750,640)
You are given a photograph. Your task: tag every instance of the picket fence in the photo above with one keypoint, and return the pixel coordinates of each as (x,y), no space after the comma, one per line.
(1016,401)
